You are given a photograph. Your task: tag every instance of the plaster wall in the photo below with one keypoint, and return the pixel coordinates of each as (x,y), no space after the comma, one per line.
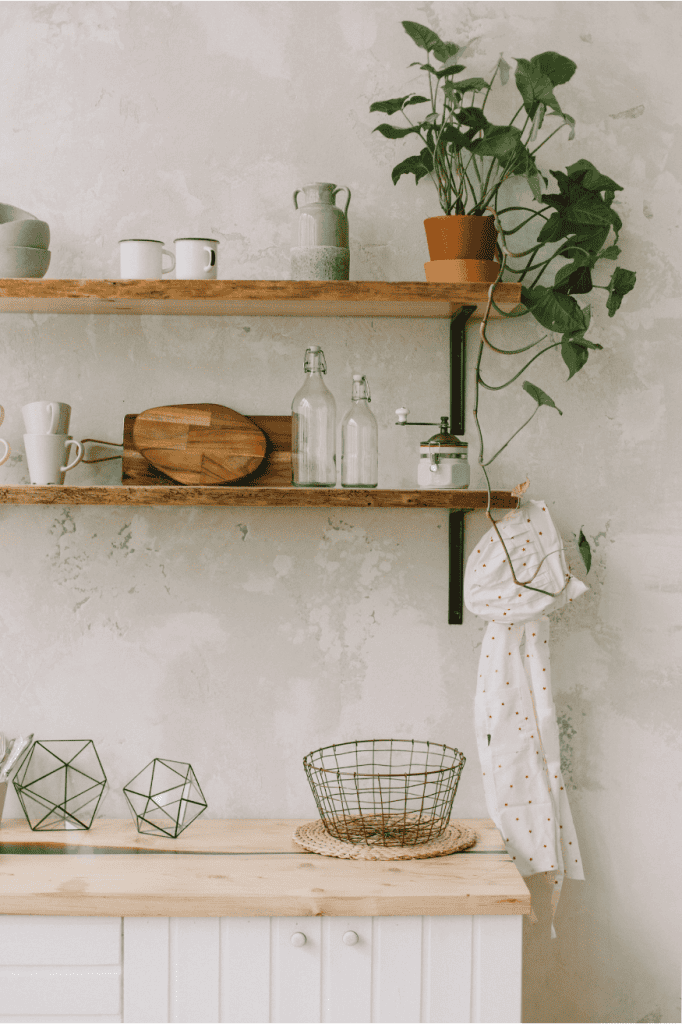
(240,639)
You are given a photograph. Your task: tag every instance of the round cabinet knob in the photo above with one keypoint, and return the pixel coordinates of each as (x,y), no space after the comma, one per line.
(298,939)
(350,938)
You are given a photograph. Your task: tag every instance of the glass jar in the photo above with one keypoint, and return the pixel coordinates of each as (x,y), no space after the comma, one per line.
(313,427)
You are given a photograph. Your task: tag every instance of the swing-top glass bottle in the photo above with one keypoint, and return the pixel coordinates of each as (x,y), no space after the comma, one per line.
(313,426)
(359,439)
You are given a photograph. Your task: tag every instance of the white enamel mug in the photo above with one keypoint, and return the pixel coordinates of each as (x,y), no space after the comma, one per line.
(46,417)
(47,457)
(142,258)
(196,259)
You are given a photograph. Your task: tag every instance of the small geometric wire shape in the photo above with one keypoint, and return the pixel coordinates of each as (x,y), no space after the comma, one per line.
(385,792)
(164,798)
(60,784)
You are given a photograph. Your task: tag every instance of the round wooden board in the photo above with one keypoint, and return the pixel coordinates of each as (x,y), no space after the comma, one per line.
(199,444)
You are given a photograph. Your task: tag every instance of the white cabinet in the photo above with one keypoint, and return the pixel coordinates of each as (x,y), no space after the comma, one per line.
(199,970)
(410,969)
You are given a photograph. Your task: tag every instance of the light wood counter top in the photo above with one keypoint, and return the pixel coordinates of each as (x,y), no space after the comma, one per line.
(242,868)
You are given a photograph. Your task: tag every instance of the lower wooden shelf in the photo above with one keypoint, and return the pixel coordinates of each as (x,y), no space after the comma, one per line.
(287,497)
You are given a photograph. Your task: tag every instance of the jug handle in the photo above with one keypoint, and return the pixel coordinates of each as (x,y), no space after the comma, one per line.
(296,193)
(343,188)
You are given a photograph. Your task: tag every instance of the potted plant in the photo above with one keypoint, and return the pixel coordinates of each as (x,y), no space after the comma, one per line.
(469,158)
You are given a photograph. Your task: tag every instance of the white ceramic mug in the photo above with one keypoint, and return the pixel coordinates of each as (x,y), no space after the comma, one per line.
(8,451)
(142,258)
(46,417)
(47,458)
(196,259)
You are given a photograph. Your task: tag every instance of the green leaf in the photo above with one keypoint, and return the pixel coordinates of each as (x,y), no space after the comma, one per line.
(466,85)
(499,141)
(573,279)
(585,552)
(554,311)
(412,165)
(457,138)
(622,282)
(612,253)
(540,396)
(446,52)
(537,86)
(590,209)
(422,36)
(389,131)
(453,70)
(504,69)
(574,355)
(391,106)
(558,69)
(472,117)
(591,179)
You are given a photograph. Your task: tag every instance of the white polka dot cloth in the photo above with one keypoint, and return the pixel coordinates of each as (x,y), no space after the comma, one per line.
(516,726)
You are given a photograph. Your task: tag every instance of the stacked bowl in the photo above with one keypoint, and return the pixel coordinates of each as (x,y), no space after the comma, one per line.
(24,242)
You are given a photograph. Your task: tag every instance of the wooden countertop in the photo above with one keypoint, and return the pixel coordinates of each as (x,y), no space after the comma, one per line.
(242,868)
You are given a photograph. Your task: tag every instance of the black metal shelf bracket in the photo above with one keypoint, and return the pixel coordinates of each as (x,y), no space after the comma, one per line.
(457,425)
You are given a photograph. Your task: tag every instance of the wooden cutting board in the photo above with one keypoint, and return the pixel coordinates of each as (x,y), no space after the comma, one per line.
(274,470)
(199,444)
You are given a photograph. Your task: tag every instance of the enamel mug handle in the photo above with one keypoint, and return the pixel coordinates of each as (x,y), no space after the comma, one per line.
(8,452)
(165,252)
(79,456)
(211,257)
(297,193)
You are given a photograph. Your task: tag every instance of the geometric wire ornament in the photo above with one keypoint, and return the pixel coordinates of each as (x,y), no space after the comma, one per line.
(60,784)
(164,798)
(385,792)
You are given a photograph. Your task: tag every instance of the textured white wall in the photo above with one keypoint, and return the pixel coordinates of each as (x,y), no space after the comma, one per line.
(240,639)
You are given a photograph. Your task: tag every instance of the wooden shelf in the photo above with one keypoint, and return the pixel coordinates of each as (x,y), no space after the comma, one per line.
(287,497)
(251,298)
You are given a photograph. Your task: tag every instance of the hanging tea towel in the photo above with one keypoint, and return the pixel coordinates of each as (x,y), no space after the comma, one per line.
(515,717)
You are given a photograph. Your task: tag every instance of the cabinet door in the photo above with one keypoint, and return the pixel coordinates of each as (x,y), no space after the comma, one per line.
(296,970)
(346,969)
(60,968)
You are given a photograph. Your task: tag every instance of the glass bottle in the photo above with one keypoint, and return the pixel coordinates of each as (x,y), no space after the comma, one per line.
(359,439)
(313,427)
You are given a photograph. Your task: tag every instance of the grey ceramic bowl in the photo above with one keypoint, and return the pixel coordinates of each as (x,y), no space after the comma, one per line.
(8,213)
(23,261)
(31,233)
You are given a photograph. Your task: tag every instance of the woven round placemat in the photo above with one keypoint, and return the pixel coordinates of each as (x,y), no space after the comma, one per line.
(313,837)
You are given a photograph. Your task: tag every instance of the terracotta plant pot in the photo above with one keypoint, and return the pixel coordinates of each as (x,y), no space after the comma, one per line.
(462,249)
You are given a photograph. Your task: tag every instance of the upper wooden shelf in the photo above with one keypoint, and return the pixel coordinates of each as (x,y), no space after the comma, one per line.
(251,298)
(287,497)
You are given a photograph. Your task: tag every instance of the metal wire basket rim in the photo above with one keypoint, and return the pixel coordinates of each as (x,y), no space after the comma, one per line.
(347,773)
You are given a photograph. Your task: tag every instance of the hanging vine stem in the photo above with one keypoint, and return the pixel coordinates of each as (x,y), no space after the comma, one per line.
(484,342)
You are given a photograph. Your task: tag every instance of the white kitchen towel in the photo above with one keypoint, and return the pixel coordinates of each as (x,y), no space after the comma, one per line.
(515,717)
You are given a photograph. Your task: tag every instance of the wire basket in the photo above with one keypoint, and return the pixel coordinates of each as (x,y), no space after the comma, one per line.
(384,792)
